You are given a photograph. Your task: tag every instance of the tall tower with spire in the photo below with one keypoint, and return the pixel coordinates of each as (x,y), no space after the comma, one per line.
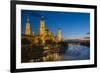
(27,29)
(42,26)
(59,34)
(42,29)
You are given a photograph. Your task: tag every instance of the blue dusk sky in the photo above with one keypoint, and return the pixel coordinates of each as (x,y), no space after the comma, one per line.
(72,24)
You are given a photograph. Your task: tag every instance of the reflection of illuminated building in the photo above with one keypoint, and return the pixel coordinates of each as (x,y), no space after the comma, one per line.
(44,33)
(27,29)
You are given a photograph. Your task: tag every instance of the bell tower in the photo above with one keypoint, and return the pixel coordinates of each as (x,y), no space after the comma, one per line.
(42,29)
(27,29)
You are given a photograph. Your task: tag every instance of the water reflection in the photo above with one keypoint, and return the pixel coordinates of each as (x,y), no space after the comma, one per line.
(73,52)
(77,52)
(53,57)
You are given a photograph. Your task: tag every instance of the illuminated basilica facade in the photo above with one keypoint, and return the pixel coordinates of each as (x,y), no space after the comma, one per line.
(44,33)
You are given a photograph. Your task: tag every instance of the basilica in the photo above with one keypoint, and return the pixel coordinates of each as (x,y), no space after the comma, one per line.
(44,33)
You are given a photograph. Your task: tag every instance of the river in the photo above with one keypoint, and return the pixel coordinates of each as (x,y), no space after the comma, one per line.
(77,52)
(73,52)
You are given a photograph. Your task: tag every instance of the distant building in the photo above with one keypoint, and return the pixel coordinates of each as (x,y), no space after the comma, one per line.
(32,33)
(59,34)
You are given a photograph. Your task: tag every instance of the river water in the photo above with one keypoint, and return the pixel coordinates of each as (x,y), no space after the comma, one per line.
(73,52)
(77,52)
